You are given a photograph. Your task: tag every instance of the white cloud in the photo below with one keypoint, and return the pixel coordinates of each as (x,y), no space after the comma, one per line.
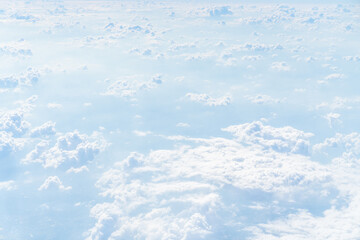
(78,170)
(13,121)
(15,50)
(252,58)
(334,76)
(256,47)
(181,192)
(263,99)
(208,100)
(54,106)
(28,78)
(8,143)
(181,124)
(141,133)
(285,139)
(47,129)
(280,66)
(129,86)
(333,118)
(220,11)
(352,58)
(340,103)
(53,182)
(7,185)
(341,219)
(71,147)
(13,126)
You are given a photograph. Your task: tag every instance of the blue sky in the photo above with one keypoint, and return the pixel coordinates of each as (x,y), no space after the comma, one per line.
(179,120)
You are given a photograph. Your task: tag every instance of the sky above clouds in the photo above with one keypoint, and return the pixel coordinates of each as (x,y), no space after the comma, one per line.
(179,120)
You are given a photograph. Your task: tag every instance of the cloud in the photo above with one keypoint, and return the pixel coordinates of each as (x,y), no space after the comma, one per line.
(352,58)
(129,86)
(142,133)
(13,121)
(13,126)
(185,190)
(340,103)
(285,139)
(70,148)
(47,129)
(8,143)
(7,185)
(220,11)
(77,170)
(263,99)
(15,49)
(334,76)
(30,77)
(53,182)
(333,118)
(280,66)
(340,219)
(54,106)
(256,47)
(181,124)
(208,100)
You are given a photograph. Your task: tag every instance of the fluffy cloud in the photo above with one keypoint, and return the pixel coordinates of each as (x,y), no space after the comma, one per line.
(183,193)
(333,119)
(78,170)
(263,99)
(334,76)
(129,86)
(15,51)
(220,11)
(7,185)
(208,100)
(28,78)
(53,182)
(69,147)
(280,66)
(8,143)
(13,126)
(285,139)
(341,219)
(47,129)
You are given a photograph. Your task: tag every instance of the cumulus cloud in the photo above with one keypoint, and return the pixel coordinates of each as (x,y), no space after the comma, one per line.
(280,66)
(184,190)
(47,129)
(183,125)
(263,99)
(339,103)
(13,126)
(28,78)
(285,139)
(129,86)
(334,76)
(341,219)
(7,185)
(53,182)
(333,118)
(220,11)
(208,100)
(8,143)
(13,121)
(14,51)
(78,170)
(71,147)
(256,47)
